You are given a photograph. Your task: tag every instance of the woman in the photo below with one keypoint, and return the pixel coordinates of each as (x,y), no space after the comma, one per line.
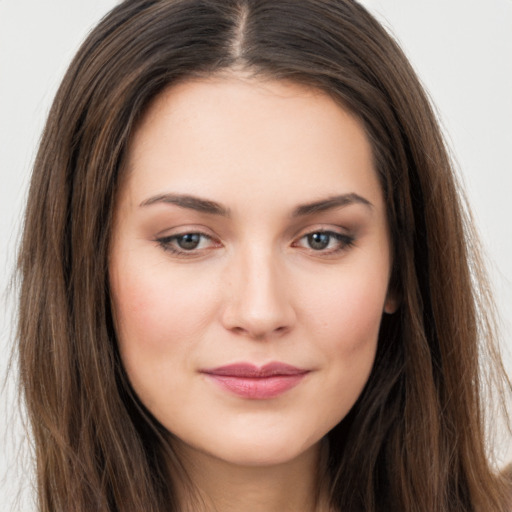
(247,278)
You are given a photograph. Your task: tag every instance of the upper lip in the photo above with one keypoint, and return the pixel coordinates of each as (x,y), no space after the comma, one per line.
(249,370)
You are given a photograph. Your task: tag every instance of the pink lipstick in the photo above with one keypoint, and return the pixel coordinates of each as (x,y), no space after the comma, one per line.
(249,381)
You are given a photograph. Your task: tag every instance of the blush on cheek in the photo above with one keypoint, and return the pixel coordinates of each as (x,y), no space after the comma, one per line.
(136,318)
(354,310)
(154,308)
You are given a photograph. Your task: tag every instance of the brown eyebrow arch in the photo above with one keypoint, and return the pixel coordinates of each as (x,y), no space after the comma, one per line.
(329,203)
(213,208)
(190,202)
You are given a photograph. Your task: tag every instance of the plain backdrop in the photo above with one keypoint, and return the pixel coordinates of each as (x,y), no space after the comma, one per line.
(461,49)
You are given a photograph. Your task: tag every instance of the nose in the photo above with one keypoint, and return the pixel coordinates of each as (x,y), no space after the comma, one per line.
(257,297)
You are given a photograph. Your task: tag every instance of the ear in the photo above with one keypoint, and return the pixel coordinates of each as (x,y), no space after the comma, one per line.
(392,302)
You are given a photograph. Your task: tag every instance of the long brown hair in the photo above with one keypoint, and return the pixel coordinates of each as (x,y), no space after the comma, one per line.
(416,438)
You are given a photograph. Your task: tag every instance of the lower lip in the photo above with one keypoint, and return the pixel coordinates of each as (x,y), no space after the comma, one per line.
(260,388)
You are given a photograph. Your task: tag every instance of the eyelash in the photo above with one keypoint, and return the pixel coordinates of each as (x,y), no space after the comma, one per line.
(344,242)
(169,243)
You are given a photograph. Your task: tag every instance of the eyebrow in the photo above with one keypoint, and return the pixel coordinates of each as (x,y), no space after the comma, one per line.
(330,203)
(214,208)
(190,202)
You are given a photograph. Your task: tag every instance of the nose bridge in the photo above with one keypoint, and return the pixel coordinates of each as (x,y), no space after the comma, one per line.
(257,303)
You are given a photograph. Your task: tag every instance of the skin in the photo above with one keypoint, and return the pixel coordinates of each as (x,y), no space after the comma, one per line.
(256,288)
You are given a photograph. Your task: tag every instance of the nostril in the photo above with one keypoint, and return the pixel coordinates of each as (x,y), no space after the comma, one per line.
(259,335)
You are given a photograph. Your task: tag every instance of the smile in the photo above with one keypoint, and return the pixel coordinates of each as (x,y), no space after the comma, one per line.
(249,381)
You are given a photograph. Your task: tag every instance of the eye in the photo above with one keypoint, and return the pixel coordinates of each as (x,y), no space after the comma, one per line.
(318,241)
(328,242)
(189,241)
(186,244)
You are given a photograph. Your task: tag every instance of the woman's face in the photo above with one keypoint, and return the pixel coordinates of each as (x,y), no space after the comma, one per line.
(249,266)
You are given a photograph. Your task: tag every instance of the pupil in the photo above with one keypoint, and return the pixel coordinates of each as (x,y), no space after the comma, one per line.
(189,241)
(318,241)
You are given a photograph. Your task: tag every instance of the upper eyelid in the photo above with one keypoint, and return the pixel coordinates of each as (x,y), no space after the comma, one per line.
(203,230)
(322,228)
(335,234)
(184,230)
(183,233)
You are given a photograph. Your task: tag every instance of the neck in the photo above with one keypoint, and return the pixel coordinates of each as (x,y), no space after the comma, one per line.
(292,486)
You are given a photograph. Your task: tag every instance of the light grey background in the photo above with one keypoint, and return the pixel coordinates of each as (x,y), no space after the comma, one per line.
(462,50)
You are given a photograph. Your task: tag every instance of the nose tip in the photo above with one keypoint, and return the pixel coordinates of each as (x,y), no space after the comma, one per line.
(257,304)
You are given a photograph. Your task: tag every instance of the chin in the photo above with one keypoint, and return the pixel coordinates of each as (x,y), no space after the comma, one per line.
(273,449)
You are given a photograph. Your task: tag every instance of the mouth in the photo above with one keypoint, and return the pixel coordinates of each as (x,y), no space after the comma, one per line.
(257,383)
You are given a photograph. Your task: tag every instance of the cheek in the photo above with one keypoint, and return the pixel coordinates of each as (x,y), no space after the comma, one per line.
(344,319)
(347,313)
(160,317)
(155,305)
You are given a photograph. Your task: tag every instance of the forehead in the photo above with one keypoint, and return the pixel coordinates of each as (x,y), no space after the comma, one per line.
(234,134)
